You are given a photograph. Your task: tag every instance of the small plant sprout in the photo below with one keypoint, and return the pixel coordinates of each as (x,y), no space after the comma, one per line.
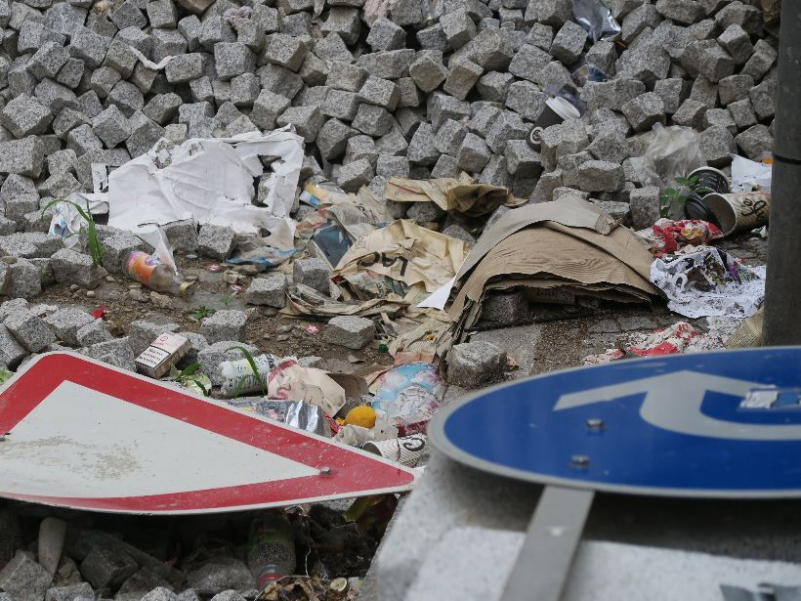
(202,312)
(675,198)
(95,248)
(253,368)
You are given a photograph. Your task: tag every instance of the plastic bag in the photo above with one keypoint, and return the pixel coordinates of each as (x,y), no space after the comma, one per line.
(297,414)
(709,283)
(155,237)
(409,395)
(670,236)
(596,19)
(673,152)
(238,376)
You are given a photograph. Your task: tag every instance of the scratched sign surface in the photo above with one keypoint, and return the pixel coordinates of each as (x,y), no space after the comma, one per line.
(80,434)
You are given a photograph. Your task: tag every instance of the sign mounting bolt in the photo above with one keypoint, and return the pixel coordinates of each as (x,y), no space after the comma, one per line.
(325,471)
(580,461)
(595,423)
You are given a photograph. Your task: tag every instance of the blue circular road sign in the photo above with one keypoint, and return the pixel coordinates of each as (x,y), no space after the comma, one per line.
(721,424)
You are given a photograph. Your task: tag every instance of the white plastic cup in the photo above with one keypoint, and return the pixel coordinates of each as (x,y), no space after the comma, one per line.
(406,450)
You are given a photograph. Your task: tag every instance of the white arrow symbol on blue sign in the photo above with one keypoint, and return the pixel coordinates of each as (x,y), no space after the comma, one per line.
(673,402)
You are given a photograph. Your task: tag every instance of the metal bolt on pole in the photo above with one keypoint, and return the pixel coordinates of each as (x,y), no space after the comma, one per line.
(782,322)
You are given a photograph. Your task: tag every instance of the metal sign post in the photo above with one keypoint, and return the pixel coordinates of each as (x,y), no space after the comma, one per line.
(713,425)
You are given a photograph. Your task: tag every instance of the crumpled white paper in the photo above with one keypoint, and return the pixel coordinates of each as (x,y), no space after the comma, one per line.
(210,180)
(747,175)
(709,283)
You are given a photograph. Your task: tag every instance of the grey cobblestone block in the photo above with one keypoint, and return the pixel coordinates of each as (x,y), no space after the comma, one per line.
(522,160)
(373,120)
(65,324)
(333,138)
(473,364)
(644,111)
(361,147)
(458,28)
(75,268)
(346,76)
(386,35)
(422,150)
(355,174)
(391,64)
(267,108)
(24,280)
(313,273)
(117,353)
(351,332)
(380,92)
(286,51)
(111,126)
(755,142)
(89,47)
(449,137)
(268,291)
(224,325)
(600,176)
(473,155)
(427,70)
(232,59)
(392,166)
(23,157)
(308,120)
(93,332)
(31,332)
(721,118)
(345,22)
(463,75)
(25,116)
(762,98)
(215,241)
(569,43)
(717,146)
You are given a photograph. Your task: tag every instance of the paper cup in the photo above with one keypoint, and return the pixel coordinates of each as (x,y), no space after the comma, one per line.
(739,212)
(406,451)
(556,110)
(695,208)
(712,179)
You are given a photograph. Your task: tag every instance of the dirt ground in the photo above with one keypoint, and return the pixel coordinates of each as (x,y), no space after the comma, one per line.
(126,301)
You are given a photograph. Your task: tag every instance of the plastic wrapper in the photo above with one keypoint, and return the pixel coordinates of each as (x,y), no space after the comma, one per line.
(668,237)
(596,19)
(409,395)
(297,414)
(356,436)
(282,379)
(673,152)
(239,377)
(681,337)
(709,283)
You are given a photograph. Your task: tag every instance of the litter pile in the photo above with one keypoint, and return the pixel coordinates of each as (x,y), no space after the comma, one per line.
(357,170)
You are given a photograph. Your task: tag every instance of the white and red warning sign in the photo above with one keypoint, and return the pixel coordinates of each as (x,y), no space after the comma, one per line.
(80,434)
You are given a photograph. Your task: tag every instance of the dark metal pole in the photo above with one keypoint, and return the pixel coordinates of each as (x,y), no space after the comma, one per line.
(782,323)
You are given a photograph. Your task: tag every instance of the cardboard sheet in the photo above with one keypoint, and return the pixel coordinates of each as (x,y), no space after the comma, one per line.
(405,252)
(451,194)
(556,252)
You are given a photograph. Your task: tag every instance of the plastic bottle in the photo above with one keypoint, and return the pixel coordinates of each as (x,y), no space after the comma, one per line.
(271,548)
(148,270)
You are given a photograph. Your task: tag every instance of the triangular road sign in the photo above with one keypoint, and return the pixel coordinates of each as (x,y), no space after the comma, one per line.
(85,435)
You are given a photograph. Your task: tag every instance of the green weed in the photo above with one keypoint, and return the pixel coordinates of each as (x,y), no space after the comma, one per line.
(95,248)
